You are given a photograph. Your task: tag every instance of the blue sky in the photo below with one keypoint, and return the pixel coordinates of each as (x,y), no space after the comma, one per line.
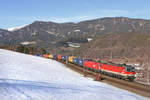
(21,12)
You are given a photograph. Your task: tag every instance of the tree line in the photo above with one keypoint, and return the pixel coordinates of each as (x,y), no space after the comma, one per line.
(26,49)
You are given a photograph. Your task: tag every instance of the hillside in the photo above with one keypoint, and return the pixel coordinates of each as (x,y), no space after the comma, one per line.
(24,77)
(130,47)
(4,34)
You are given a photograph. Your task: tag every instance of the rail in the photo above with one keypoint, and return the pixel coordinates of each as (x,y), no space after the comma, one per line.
(143,90)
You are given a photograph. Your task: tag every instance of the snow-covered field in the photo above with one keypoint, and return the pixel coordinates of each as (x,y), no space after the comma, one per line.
(26,77)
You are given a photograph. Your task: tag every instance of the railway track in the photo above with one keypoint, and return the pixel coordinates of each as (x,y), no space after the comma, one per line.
(143,90)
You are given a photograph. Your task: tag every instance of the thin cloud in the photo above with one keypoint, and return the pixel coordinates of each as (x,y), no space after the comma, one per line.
(71,19)
(93,15)
(85,16)
(111,13)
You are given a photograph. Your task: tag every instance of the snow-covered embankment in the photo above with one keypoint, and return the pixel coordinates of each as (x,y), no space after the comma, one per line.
(24,77)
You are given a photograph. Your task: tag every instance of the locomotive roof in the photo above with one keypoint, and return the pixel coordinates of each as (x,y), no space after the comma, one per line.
(111,63)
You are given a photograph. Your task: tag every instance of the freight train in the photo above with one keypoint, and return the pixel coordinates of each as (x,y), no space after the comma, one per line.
(121,71)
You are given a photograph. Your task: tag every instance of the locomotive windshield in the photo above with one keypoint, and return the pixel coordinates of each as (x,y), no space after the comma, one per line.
(130,69)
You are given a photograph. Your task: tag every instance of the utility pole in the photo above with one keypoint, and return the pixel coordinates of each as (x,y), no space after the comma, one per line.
(148,70)
(147,59)
(111,52)
(148,75)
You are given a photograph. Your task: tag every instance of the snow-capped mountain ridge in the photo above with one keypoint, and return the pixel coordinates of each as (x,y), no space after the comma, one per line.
(16,28)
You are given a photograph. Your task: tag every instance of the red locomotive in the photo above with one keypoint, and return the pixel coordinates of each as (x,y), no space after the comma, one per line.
(92,65)
(121,71)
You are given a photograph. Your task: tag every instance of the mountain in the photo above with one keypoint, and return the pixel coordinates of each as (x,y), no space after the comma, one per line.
(71,37)
(4,33)
(44,33)
(128,47)
(116,24)
(4,36)
(48,33)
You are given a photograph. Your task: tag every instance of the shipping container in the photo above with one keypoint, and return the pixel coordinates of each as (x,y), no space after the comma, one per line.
(71,58)
(64,58)
(51,56)
(38,55)
(46,55)
(79,61)
(55,56)
(59,57)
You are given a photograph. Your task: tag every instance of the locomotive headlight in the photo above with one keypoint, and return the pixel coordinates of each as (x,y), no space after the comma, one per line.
(131,75)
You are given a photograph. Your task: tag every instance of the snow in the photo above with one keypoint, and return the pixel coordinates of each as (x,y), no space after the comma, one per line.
(77,30)
(27,42)
(89,39)
(16,28)
(26,77)
(71,44)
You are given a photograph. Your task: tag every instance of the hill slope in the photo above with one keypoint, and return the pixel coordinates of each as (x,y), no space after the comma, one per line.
(4,37)
(24,77)
(117,46)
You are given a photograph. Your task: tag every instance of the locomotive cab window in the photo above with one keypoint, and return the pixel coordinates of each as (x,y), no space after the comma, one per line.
(127,69)
(132,69)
